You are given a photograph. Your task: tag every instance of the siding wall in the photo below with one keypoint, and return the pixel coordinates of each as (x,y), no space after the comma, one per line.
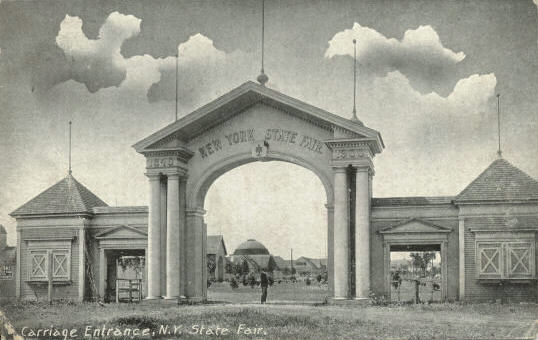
(478,291)
(40,292)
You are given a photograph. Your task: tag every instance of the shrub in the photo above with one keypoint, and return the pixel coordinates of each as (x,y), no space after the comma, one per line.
(233,283)
(378,300)
(307,281)
(251,280)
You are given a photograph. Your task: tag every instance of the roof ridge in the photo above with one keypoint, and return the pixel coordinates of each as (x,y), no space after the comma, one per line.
(40,194)
(72,182)
(500,181)
(467,188)
(65,196)
(520,171)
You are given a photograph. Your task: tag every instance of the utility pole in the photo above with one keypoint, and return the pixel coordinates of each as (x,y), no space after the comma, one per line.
(291,256)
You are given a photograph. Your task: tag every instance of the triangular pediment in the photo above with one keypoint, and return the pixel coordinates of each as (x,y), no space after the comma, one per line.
(415,225)
(176,135)
(122,232)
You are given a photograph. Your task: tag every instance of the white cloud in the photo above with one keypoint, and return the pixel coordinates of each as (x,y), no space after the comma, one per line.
(97,63)
(199,48)
(420,55)
(205,72)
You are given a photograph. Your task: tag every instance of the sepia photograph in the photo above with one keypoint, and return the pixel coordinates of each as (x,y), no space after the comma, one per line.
(269,169)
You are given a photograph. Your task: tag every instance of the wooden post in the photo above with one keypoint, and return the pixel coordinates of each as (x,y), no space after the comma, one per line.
(49,276)
(117,282)
(130,291)
(417,285)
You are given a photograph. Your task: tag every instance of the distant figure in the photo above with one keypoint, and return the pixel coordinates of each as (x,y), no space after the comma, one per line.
(396,279)
(264,283)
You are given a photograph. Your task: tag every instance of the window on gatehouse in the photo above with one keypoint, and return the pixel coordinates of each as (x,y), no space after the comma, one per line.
(506,260)
(39,264)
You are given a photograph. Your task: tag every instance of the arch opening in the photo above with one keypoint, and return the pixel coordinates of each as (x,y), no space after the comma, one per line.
(276,205)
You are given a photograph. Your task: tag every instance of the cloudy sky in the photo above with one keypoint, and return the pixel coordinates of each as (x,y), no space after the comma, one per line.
(428,73)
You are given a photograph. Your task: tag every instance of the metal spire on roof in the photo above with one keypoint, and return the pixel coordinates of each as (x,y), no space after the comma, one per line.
(499,152)
(69,147)
(177,67)
(263,78)
(354,117)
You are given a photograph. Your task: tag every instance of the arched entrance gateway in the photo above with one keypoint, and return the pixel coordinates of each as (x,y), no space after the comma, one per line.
(254,123)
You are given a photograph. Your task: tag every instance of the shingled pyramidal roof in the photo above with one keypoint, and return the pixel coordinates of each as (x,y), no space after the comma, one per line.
(67,196)
(501,181)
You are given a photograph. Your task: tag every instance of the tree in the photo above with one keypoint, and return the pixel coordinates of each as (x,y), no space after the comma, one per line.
(229,268)
(422,260)
(211,265)
(245,269)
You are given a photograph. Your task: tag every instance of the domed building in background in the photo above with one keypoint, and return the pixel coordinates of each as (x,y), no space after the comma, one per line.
(255,255)
(251,247)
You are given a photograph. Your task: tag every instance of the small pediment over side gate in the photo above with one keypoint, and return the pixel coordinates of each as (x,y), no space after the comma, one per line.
(122,232)
(415,226)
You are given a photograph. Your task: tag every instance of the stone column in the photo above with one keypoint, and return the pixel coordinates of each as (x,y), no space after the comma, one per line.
(196,287)
(341,234)
(182,251)
(330,248)
(362,233)
(162,248)
(172,238)
(154,238)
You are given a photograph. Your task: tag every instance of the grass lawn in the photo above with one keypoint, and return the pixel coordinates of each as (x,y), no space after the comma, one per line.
(281,321)
(407,292)
(277,293)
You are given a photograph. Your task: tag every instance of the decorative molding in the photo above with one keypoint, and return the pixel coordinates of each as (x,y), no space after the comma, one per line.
(426,228)
(49,239)
(195,212)
(102,234)
(183,154)
(371,144)
(343,154)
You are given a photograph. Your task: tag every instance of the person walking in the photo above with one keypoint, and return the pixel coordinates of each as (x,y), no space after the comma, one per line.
(264,283)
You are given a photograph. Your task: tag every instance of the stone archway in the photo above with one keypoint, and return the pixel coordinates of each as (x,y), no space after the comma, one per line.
(254,123)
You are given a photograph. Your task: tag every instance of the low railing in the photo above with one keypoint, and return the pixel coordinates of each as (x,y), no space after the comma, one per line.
(131,288)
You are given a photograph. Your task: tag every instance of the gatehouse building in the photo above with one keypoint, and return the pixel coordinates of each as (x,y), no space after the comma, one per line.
(486,234)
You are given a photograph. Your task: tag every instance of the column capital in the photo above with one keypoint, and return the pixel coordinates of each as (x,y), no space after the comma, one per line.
(153,176)
(330,207)
(351,152)
(366,168)
(339,168)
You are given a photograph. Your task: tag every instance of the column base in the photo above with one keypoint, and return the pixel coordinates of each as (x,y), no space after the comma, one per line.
(338,301)
(171,297)
(192,300)
(153,298)
(363,301)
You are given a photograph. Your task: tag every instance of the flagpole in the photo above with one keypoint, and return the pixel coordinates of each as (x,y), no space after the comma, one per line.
(177,67)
